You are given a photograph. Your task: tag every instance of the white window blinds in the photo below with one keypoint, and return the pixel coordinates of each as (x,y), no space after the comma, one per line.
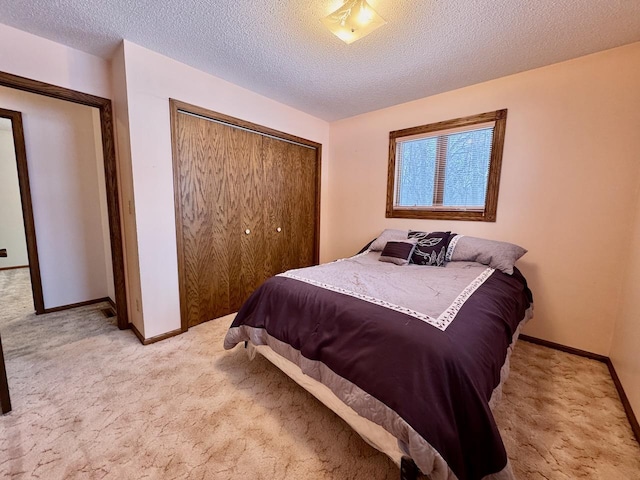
(446,169)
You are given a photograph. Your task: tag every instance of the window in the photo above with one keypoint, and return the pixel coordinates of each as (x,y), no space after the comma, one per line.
(447,170)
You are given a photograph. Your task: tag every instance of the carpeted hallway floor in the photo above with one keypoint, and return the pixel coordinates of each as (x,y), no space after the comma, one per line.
(89,401)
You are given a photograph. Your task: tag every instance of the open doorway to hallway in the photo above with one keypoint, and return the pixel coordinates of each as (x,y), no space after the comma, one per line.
(14,253)
(55,238)
(63,197)
(106,122)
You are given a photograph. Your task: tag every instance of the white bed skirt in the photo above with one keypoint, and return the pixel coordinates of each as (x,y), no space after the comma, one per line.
(372,433)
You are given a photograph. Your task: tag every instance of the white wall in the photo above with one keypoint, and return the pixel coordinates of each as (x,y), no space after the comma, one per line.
(65,194)
(125,183)
(152,79)
(37,58)
(625,348)
(102,195)
(567,192)
(11,223)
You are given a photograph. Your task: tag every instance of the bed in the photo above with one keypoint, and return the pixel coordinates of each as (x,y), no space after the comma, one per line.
(413,357)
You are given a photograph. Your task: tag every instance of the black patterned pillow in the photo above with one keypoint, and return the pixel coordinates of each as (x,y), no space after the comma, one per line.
(398,252)
(431,248)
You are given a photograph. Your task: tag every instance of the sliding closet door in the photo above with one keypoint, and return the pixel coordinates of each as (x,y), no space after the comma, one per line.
(246,208)
(290,172)
(303,194)
(253,229)
(217,166)
(277,205)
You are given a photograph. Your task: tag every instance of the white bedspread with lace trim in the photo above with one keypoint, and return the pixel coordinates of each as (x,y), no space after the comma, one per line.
(434,295)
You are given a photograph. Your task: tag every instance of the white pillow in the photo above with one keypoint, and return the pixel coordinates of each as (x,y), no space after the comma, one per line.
(388,235)
(498,255)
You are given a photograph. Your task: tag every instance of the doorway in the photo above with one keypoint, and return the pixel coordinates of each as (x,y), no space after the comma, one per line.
(18,238)
(104,110)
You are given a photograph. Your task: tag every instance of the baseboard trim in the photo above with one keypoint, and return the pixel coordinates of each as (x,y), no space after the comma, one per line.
(564,348)
(137,333)
(113,304)
(633,420)
(631,416)
(14,268)
(75,305)
(157,338)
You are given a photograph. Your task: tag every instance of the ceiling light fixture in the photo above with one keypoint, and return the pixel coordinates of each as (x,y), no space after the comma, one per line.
(353,20)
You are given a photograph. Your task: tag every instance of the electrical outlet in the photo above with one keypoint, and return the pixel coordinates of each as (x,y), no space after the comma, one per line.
(3,252)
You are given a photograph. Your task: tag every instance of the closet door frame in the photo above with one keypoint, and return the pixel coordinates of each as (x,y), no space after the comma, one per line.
(176,108)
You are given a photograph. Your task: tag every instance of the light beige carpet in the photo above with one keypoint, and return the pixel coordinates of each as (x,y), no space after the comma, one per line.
(91,402)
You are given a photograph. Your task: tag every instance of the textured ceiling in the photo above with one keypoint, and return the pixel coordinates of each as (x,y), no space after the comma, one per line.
(279,48)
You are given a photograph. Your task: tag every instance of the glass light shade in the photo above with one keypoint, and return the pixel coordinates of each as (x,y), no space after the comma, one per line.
(353,20)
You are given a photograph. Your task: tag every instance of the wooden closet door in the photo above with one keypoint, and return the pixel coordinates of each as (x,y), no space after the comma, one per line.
(303,194)
(217,170)
(290,172)
(276,206)
(253,195)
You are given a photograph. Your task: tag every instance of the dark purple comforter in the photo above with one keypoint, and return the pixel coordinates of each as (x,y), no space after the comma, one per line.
(439,382)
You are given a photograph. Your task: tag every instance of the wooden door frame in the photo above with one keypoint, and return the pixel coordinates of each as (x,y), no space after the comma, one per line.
(111,182)
(27,209)
(175,107)
(5,399)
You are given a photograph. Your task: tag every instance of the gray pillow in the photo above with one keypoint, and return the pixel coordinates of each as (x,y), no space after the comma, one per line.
(388,235)
(499,255)
(398,252)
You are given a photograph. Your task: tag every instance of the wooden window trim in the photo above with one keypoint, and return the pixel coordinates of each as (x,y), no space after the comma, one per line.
(493,182)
